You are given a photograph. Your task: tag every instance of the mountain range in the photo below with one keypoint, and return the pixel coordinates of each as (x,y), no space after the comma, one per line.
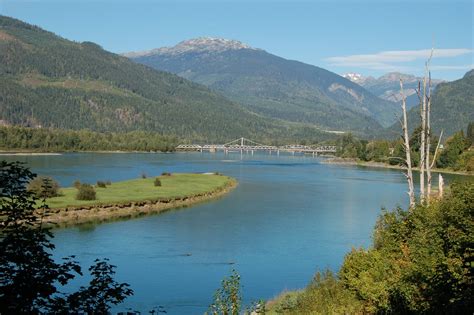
(272,86)
(48,81)
(388,86)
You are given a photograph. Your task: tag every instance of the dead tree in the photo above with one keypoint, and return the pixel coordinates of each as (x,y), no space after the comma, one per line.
(424,97)
(428,141)
(406,147)
(428,130)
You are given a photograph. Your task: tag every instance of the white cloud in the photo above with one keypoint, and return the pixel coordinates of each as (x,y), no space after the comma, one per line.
(392,60)
(448,68)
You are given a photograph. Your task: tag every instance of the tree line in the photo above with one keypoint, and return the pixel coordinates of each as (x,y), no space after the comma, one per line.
(48,140)
(456,153)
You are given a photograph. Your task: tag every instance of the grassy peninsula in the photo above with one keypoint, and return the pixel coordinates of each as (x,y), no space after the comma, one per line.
(137,197)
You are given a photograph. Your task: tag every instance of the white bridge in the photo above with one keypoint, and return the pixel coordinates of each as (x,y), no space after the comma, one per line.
(245,145)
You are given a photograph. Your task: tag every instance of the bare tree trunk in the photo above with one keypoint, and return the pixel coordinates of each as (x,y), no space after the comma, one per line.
(437,148)
(422,97)
(440,186)
(406,145)
(428,130)
(428,140)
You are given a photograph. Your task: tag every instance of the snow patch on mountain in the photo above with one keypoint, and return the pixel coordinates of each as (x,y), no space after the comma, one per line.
(197,45)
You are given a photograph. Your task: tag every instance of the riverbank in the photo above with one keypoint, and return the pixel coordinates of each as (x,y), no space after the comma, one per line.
(59,152)
(344,161)
(26,153)
(134,198)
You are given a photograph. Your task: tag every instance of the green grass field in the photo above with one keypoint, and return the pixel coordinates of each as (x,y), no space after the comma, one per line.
(176,185)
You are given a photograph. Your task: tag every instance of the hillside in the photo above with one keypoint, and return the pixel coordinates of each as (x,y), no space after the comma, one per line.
(48,81)
(273,86)
(452,107)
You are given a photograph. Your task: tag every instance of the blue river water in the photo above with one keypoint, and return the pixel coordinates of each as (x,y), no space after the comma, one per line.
(289,217)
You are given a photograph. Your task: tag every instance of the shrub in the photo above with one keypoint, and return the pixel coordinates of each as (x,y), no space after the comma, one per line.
(144,175)
(165,174)
(86,192)
(108,183)
(470,164)
(227,299)
(101,184)
(157,182)
(44,187)
(77,184)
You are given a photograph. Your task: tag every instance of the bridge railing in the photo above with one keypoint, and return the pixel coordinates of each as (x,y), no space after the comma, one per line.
(211,147)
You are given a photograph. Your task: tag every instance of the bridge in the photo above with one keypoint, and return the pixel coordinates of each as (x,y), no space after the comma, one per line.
(245,145)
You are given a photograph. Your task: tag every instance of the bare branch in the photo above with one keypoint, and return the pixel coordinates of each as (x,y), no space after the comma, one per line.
(436,151)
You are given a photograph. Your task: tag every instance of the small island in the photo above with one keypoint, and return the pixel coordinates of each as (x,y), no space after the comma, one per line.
(136,197)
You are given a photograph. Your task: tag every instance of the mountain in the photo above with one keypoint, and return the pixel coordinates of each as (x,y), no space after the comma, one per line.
(273,86)
(48,81)
(452,107)
(388,86)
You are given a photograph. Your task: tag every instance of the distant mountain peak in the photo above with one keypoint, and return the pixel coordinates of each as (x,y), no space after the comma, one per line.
(357,77)
(198,45)
(354,77)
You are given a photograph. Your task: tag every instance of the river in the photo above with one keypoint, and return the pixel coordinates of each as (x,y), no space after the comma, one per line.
(289,217)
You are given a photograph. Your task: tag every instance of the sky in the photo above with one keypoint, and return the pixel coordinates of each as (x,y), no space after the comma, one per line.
(371,37)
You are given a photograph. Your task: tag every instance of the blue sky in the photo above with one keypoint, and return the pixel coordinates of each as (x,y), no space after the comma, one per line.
(369,37)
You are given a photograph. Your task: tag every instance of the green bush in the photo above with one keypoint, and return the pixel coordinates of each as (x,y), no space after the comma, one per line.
(77,184)
(228,299)
(101,184)
(108,183)
(157,182)
(44,187)
(86,192)
(165,174)
(144,175)
(452,150)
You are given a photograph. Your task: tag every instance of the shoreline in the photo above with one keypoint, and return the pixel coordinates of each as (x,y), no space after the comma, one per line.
(5,153)
(102,213)
(33,153)
(354,162)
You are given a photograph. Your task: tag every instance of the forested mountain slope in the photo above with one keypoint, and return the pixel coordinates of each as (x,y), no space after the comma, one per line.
(452,107)
(273,86)
(49,81)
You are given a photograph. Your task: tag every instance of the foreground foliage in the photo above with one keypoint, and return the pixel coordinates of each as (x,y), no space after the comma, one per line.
(30,279)
(422,261)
